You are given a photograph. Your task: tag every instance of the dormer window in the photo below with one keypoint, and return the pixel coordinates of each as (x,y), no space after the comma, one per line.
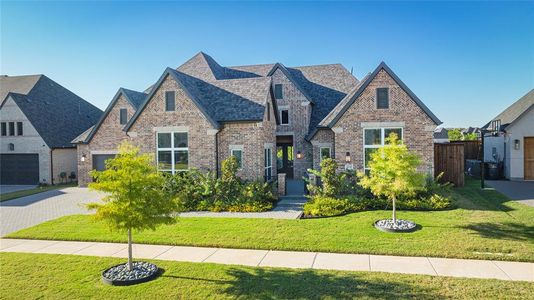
(278,91)
(170,101)
(123,116)
(382,98)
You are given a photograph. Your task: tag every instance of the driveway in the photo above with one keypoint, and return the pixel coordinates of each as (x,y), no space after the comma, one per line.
(4,189)
(521,191)
(31,210)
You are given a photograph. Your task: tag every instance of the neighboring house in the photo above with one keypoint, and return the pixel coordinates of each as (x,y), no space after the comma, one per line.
(512,139)
(274,119)
(38,119)
(441,135)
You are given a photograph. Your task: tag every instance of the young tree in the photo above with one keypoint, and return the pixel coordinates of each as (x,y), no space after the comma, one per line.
(393,172)
(470,136)
(135,199)
(455,135)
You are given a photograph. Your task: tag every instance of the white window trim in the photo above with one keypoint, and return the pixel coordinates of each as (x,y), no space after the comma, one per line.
(321,152)
(382,139)
(172,149)
(238,148)
(280,109)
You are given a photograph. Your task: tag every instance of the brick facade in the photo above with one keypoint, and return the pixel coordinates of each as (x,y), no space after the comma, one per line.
(105,140)
(348,131)
(299,120)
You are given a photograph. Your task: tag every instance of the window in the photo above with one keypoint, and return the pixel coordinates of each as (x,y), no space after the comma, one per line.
(4,129)
(325,153)
(169,101)
(19,128)
(375,138)
(268,164)
(123,116)
(238,154)
(269,112)
(11,128)
(284,116)
(278,91)
(173,151)
(382,98)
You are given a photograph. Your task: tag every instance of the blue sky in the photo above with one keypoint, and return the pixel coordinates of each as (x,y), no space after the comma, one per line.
(466,60)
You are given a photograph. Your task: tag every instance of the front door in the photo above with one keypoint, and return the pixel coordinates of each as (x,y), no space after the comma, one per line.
(284,159)
(529,158)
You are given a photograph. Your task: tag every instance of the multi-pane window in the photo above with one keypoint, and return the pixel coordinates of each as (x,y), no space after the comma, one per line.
(268,163)
(325,153)
(382,98)
(123,116)
(11,128)
(173,151)
(170,101)
(278,91)
(19,128)
(284,116)
(238,154)
(375,138)
(4,129)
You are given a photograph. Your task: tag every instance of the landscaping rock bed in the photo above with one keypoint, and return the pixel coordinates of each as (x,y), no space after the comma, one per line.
(119,274)
(399,226)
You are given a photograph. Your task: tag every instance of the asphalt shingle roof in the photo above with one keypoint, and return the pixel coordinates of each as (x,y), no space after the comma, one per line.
(57,114)
(17,84)
(135,98)
(514,111)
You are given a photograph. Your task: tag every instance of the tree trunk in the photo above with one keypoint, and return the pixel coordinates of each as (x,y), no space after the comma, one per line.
(130,264)
(394,212)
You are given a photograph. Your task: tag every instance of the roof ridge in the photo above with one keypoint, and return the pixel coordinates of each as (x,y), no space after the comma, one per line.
(318,65)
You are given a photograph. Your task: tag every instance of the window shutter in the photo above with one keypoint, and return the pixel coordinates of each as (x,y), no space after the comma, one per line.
(170,101)
(382,98)
(278,91)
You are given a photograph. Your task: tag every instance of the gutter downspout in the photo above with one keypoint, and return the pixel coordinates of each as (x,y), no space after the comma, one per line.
(217,154)
(52,166)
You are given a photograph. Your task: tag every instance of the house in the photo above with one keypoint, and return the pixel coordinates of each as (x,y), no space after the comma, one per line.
(441,135)
(38,119)
(273,118)
(511,139)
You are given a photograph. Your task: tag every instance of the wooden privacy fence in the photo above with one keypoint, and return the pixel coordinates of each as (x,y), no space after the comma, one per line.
(471,149)
(449,159)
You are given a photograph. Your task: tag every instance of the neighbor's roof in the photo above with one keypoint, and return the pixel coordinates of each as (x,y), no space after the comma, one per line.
(57,114)
(441,133)
(17,84)
(514,111)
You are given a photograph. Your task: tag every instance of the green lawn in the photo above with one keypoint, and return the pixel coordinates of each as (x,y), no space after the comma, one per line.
(39,189)
(485,226)
(38,276)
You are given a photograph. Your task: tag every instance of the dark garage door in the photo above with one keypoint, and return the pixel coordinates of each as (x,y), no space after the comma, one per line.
(99,161)
(19,168)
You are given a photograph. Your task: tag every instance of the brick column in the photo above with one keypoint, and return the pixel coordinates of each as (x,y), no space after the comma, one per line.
(281,184)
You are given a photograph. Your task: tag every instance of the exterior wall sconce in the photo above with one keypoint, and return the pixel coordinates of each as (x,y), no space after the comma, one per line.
(82,159)
(11,147)
(516,144)
(299,155)
(347,157)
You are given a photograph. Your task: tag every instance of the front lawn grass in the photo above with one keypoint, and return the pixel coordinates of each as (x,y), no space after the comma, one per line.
(36,190)
(486,225)
(46,276)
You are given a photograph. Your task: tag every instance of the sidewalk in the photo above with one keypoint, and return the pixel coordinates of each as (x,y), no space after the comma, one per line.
(286,259)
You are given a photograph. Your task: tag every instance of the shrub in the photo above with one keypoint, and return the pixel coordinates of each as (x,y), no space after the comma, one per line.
(197,191)
(333,183)
(320,206)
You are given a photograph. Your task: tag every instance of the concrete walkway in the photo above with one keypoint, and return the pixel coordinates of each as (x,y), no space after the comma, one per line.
(516,271)
(520,191)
